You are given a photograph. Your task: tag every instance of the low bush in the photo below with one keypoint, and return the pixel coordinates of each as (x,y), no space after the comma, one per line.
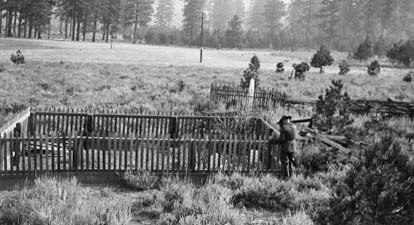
(402,52)
(140,180)
(374,68)
(280,195)
(409,77)
(343,67)
(50,201)
(378,189)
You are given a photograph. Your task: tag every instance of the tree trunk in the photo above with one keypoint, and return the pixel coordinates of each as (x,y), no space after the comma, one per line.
(85,24)
(30,28)
(25,26)
(15,22)
(135,29)
(66,27)
(74,20)
(48,30)
(39,32)
(103,34)
(94,27)
(1,20)
(78,27)
(321,71)
(9,23)
(107,33)
(19,28)
(60,25)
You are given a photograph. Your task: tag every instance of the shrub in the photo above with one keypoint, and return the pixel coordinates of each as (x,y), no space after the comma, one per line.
(141,180)
(299,218)
(300,70)
(265,192)
(332,112)
(322,58)
(181,85)
(402,53)
(378,189)
(233,182)
(51,201)
(343,67)
(365,50)
(374,68)
(251,73)
(409,77)
(280,68)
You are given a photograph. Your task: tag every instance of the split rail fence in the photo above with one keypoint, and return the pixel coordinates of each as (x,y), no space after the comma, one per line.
(59,140)
(265,98)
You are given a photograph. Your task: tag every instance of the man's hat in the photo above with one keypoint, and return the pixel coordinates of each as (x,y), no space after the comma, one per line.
(283,118)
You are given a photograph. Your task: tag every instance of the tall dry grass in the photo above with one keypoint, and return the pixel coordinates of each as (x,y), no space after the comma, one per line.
(53,201)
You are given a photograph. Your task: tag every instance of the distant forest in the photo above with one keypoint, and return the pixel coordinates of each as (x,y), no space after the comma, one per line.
(276,24)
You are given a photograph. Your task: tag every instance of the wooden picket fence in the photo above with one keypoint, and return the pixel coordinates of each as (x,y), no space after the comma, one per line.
(208,154)
(66,140)
(17,126)
(234,95)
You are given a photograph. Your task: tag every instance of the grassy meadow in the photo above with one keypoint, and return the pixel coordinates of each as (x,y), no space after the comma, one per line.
(157,78)
(86,75)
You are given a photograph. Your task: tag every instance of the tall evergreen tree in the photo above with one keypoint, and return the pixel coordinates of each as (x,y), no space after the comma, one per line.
(234,33)
(165,12)
(221,14)
(138,13)
(109,16)
(329,15)
(257,19)
(303,23)
(192,19)
(274,11)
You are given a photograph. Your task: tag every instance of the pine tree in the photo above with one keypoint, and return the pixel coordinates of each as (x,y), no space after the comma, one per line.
(329,15)
(109,16)
(192,19)
(137,13)
(365,50)
(234,33)
(302,21)
(274,11)
(165,12)
(257,19)
(322,58)
(380,47)
(221,14)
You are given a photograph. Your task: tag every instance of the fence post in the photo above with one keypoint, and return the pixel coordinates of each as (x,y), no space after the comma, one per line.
(191,155)
(3,154)
(173,129)
(31,129)
(17,133)
(251,93)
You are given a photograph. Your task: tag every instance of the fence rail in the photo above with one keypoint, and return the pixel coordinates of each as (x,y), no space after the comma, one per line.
(238,96)
(208,154)
(67,122)
(233,95)
(363,107)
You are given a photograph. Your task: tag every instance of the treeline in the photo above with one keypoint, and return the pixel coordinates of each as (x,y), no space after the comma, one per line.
(25,18)
(339,24)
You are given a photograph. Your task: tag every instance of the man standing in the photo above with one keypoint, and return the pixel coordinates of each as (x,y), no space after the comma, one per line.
(287,145)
